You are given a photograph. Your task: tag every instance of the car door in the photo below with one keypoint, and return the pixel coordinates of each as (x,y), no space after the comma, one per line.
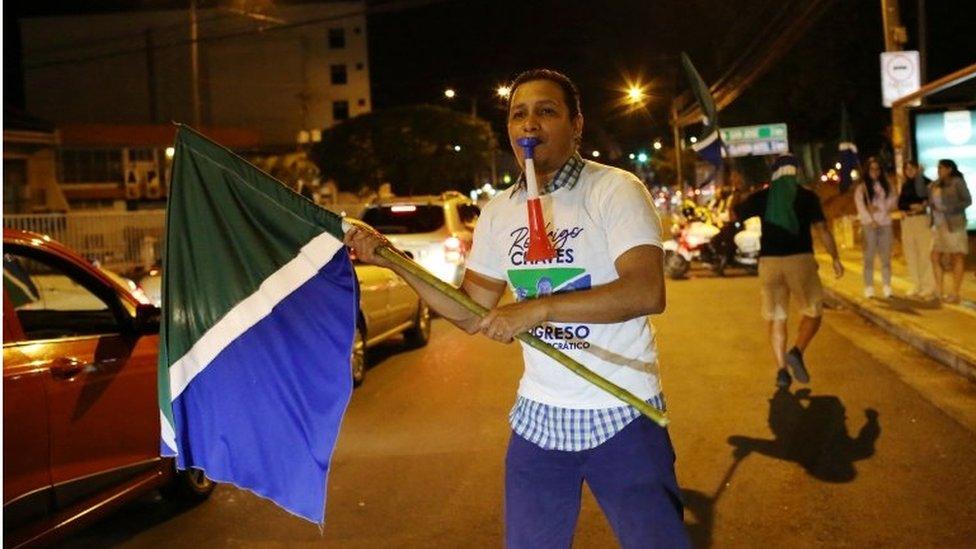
(99,377)
(374,293)
(28,495)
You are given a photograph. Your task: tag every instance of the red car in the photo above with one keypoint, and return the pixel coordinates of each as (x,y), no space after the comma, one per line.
(80,413)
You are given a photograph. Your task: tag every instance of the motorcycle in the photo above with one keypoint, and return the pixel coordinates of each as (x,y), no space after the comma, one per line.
(697,238)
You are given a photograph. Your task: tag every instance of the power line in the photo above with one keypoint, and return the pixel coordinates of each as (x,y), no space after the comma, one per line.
(389,7)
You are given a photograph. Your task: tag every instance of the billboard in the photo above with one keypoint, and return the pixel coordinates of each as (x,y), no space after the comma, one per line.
(948,134)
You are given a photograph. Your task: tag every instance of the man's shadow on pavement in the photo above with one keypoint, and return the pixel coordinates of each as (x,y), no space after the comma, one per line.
(808,430)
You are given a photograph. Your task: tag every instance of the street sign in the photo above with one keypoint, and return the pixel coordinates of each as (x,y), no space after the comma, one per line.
(760,140)
(899,75)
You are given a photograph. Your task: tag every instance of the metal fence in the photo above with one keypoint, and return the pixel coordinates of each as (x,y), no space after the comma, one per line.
(121,241)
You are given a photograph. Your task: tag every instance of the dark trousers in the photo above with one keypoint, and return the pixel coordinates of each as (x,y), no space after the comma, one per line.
(631,475)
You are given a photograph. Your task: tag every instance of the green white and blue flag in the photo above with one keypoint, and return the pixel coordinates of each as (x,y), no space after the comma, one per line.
(259,310)
(846,151)
(709,144)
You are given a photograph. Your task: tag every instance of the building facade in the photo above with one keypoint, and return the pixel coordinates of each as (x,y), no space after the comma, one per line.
(286,73)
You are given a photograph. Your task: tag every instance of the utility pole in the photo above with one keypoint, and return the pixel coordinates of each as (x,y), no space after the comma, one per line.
(923,45)
(195,63)
(895,38)
(676,130)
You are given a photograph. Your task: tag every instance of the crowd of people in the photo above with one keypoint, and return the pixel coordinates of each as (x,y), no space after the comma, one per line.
(933,227)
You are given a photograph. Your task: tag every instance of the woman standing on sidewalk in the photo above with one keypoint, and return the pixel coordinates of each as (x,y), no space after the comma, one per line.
(916,233)
(949,199)
(875,199)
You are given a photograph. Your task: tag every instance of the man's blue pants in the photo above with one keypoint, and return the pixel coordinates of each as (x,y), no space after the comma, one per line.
(631,475)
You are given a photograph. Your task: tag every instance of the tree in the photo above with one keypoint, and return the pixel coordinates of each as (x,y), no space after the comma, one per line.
(420,149)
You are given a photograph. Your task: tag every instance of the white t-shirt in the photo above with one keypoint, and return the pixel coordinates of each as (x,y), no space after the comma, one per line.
(607,212)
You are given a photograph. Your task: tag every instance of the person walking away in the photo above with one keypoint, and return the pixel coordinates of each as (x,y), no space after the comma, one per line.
(790,213)
(949,198)
(875,199)
(606,278)
(916,234)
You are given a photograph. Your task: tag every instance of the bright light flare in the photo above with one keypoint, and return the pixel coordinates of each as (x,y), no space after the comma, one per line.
(449,93)
(657,145)
(503,91)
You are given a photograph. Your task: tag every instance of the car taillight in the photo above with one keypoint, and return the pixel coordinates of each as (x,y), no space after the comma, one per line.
(452,249)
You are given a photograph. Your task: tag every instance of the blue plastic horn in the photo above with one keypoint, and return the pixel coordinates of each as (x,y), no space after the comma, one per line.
(528,145)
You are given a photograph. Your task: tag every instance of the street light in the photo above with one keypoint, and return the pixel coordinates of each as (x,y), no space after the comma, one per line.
(693,140)
(596,154)
(503,91)
(657,145)
(449,93)
(635,94)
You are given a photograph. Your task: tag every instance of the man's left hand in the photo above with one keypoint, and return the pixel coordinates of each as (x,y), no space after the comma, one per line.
(505,322)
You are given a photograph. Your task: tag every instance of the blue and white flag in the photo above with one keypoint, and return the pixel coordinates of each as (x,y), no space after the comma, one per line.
(846,151)
(259,311)
(709,144)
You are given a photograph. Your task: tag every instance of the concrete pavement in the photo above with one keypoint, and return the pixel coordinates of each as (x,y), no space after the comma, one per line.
(944,332)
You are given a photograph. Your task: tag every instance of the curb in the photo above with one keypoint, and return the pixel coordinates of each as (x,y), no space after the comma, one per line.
(962,361)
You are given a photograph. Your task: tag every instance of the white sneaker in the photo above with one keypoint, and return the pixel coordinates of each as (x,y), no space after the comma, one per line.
(886,291)
(869,292)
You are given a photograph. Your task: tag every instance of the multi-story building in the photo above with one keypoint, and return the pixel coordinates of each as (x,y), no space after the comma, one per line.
(113,83)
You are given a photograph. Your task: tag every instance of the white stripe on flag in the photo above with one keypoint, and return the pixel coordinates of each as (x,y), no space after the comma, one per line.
(166,431)
(784,170)
(705,141)
(309,261)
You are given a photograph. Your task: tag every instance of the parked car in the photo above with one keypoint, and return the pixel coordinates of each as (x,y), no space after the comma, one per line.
(388,307)
(80,419)
(437,230)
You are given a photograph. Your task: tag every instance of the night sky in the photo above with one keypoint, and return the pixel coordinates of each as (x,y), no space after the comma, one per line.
(474,45)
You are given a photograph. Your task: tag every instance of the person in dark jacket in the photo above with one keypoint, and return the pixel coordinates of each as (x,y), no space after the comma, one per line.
(916,234)
(949,197)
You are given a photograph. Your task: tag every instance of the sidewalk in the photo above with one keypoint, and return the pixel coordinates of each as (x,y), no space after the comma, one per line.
(946,333)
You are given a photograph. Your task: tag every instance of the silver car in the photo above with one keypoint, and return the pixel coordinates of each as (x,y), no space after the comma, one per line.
(436,230)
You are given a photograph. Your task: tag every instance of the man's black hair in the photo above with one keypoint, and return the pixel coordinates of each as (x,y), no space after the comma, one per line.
(570,92)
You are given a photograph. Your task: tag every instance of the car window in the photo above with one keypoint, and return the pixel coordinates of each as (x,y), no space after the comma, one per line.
(405,219)
(469,215)
(50,303)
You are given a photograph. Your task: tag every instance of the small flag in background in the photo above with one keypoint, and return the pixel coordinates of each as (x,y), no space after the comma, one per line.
(259,311)
(709,145)
(847,151)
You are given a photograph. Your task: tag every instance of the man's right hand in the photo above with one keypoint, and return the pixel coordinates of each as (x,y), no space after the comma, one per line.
(364,241)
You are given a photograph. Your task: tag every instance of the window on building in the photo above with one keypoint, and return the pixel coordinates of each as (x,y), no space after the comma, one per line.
(357,30)
(91,165)
(340,110)
(339,75)
(362,102)
(337,38)
(359,66)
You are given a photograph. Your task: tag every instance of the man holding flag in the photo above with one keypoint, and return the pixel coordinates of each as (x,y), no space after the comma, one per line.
(605,278)
(786,264)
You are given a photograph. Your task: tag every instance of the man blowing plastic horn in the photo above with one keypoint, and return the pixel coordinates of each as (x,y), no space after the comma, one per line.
(590,300)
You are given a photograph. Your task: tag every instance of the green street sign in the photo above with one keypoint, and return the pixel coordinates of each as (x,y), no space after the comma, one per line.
(759,140)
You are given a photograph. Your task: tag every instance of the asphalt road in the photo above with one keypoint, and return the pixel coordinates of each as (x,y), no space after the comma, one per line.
(878,450)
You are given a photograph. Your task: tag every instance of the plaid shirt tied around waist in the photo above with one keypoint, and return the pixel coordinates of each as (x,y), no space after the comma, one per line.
(570,429)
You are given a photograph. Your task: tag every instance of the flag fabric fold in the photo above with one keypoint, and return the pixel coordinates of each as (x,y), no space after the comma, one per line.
(259,311)
(709,144)
(847,151)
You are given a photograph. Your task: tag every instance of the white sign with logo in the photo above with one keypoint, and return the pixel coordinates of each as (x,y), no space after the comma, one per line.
(899,76)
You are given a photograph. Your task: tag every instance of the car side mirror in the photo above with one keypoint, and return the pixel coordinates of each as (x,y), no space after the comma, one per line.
(147,319)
